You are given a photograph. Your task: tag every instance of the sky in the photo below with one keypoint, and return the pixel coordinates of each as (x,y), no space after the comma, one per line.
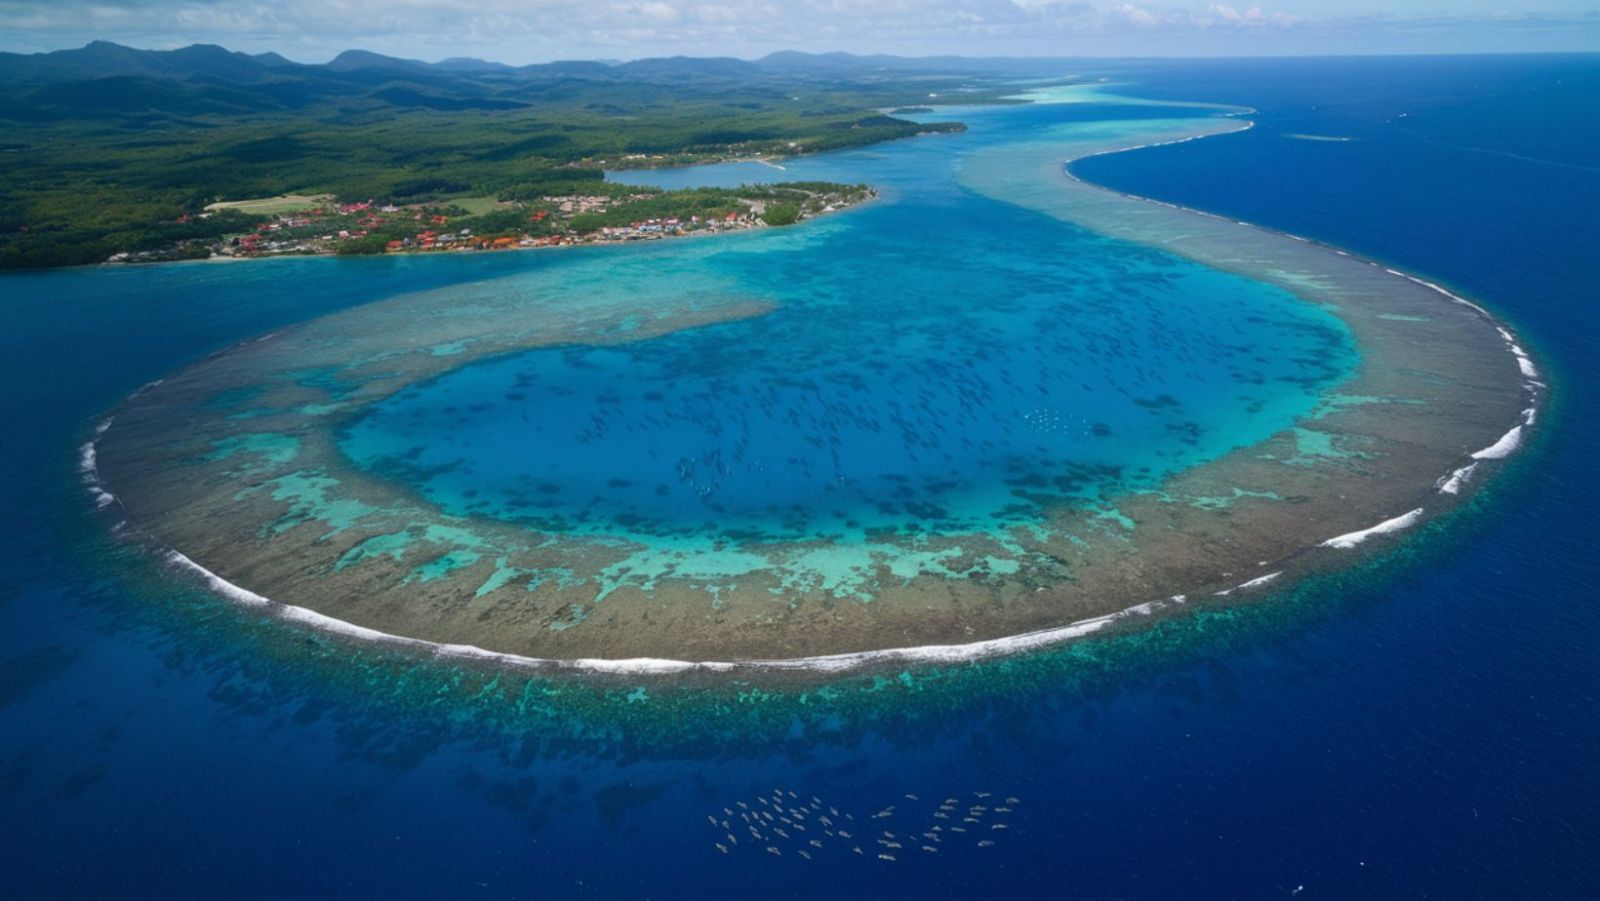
(524,31)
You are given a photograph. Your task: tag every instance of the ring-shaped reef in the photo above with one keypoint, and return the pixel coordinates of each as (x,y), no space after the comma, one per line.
(997,409)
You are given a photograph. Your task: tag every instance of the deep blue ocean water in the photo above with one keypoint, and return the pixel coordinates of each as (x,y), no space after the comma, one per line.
(1423,727)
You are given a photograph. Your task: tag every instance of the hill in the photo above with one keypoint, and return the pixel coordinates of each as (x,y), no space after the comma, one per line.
(111,149)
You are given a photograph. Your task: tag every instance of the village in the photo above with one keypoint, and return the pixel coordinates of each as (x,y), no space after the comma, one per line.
(319,225)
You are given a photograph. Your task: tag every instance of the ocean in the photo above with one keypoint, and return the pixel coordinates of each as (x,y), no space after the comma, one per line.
(1423,724)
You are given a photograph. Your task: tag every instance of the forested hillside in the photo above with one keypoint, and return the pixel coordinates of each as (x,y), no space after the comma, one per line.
(107,149)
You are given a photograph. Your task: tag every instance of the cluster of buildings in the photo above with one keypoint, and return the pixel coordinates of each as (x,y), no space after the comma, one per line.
(332,228)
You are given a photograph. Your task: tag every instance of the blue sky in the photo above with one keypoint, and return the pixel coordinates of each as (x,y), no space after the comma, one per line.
(520,31)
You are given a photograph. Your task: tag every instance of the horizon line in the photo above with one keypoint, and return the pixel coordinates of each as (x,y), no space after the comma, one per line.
(989,58)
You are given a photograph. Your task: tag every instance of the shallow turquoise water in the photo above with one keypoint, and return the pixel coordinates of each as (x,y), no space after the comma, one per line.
(936,361)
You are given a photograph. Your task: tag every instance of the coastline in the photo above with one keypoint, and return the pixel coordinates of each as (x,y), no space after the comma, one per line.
(588,239)
(1449,483)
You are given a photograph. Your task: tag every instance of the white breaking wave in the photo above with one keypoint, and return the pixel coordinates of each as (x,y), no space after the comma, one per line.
(89,468)
(1505,447)
(1259,581)
(1351,539)
(1452,483)
(216,583)
(957,653)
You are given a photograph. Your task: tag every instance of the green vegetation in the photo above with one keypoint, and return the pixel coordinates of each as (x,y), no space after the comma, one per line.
(128,163)
(619,213)
(271,206)
(781,213)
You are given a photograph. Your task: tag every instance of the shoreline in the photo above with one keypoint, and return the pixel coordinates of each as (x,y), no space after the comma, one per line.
(875,195)
(1449,483)
(579,241)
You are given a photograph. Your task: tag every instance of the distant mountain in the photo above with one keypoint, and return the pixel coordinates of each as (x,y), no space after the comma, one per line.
(103,78)
(471,64)
(595,71)
(273,60)
(351,60)
(677,67)
(812,62)
(102,59)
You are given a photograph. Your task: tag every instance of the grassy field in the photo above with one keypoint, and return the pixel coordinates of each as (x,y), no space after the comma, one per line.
(477,206)
(271,206)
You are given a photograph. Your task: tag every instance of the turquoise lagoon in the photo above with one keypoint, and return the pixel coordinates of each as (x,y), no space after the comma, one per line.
(938,361)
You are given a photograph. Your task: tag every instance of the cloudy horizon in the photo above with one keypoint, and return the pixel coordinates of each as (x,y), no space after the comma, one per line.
(516,32)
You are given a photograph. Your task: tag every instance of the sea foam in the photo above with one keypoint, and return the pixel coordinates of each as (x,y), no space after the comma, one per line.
(1451,484)
(1351,539)
(1505,447)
